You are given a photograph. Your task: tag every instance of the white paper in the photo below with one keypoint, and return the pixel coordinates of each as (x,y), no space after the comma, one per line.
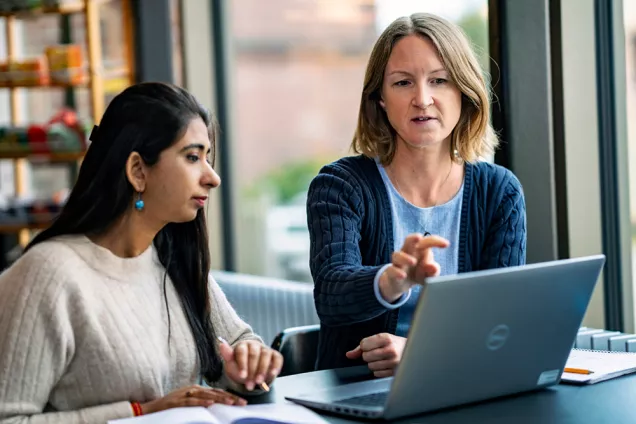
(284,413)
(604,365)
(288,413)
(187,415)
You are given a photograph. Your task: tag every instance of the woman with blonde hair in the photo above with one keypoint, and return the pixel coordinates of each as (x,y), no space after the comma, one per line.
(417,201)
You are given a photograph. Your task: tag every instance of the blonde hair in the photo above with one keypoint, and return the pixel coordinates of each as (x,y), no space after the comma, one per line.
(473,136)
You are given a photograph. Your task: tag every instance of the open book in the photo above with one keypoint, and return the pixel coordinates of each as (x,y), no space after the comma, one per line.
(286,413)
(593,366)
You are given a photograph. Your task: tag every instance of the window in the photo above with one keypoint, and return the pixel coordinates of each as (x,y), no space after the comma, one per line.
(297,75)
(629,8)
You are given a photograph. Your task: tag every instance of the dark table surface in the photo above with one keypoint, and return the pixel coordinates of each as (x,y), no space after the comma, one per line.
(612,401)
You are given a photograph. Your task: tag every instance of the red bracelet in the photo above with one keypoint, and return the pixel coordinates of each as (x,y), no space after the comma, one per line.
(136,407)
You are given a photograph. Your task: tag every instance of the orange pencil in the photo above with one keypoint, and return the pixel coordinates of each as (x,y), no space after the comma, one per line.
(577,371)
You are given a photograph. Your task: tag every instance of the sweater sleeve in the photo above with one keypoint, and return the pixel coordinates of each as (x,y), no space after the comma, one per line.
(506,238)
(343,286)
(37,345)
(232,328)
(225,320)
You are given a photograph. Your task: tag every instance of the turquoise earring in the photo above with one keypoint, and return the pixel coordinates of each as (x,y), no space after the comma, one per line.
(139,204)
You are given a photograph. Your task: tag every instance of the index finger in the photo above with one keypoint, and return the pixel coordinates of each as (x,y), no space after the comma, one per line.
(431,241)
(275,365)
(217,395)
(240,356)
(236,399)
(410,243)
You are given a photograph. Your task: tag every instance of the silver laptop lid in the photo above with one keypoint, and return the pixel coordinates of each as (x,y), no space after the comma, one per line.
(484,334)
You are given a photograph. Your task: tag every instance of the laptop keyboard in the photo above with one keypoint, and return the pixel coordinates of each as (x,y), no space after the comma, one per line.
(372,399)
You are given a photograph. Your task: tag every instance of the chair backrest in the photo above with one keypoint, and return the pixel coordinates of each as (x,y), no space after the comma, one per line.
(299,347)
(268,304)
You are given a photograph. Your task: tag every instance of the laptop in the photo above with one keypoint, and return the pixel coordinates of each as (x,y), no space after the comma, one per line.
(477,336)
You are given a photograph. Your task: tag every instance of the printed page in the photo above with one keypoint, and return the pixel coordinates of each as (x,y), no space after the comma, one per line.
(282,413)
(188,415)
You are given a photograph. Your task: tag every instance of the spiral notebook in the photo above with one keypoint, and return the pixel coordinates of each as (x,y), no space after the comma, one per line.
(592,366)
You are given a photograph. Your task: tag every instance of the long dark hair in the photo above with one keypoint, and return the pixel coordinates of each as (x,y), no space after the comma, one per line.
(146,118)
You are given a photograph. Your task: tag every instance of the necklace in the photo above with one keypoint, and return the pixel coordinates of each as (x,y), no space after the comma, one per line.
(416,217)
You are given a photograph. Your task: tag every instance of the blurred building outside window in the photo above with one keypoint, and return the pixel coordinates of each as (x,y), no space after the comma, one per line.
(297,74)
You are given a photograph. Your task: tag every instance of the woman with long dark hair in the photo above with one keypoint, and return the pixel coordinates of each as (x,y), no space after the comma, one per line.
(111,311)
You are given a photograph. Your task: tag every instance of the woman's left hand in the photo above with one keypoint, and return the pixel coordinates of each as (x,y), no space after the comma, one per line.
(251,363)
(382,352)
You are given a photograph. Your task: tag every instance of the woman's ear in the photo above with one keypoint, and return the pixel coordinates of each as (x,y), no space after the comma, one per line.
(136,172)
(382,104)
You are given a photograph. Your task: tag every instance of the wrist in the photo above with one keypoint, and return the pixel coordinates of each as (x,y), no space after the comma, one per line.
(388,290)
(137,409)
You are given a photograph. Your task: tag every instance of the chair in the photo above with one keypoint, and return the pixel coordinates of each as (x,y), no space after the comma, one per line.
(268,304)
(299,347)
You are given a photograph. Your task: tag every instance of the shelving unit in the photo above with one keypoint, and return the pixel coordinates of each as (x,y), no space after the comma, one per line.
(97,79)
(58,10)
(44,157)
(18,228)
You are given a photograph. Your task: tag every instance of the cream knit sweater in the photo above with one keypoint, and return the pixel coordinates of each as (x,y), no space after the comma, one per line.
(84,332)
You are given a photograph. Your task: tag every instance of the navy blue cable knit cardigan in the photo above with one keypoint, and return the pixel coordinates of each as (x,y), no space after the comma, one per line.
(351,232)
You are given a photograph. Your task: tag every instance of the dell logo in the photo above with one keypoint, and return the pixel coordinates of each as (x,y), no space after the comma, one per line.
(497,337)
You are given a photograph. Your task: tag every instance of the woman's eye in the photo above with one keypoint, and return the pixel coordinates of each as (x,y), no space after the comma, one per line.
(439,81)
(192,158)
(402,83)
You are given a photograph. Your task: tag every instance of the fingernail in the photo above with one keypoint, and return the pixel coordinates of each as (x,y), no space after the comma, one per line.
(249,385)
(229,401)
(222,340)
(259,379)
(243,374)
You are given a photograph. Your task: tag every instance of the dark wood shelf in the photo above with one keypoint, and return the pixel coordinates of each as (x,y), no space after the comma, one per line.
(50,85)
(16,228)
(58,157)
(63,10)
(116,79)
